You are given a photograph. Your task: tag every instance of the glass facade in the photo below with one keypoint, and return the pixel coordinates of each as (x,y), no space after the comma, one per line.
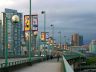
(92,46)
(1,37)
(14,32)
(2,33)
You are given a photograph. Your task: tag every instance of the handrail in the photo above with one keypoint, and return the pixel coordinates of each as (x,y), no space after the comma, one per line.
(67,67)
(13,63)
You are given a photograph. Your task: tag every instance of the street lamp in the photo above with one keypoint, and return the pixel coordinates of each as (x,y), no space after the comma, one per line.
(29,47)
(52,27)
(38,45)
(44,13)
(60,38)
(64,39)
(34,39)
(65,44)
(15,19)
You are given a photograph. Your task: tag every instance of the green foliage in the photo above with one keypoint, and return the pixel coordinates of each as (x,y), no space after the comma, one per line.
(91,60)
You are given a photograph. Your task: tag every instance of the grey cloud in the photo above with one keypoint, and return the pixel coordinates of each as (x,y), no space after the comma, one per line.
(67,15)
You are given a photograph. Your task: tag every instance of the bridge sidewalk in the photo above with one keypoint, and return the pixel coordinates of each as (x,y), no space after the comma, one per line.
(47,66)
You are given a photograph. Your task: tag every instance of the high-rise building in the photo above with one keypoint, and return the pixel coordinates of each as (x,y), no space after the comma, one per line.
(80,40)
(92,46)
(2,33)
(76,40)
(1,44)
(14,31)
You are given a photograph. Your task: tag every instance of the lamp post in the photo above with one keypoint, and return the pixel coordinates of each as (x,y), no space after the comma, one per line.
(52,28)
(29,45)
(65,44)
(60,38)
(6,43)
(43,12)
(34,38)
(38,45)
(15,19)
(64,39)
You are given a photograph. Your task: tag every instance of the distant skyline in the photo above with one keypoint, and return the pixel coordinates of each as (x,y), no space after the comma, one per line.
(68,16)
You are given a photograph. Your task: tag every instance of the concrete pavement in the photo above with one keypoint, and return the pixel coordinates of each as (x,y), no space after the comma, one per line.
(47,66)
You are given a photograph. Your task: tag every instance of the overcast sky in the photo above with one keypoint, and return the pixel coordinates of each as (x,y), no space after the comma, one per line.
(68,16)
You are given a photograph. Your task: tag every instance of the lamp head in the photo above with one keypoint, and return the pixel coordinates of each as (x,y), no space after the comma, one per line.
(15,19)
(43,12)
(35,33)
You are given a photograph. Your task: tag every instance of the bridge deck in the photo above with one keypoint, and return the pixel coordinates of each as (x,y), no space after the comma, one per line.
(48,66)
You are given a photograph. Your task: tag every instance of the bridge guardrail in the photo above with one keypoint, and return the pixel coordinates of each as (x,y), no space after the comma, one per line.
(66,66)
(34,60)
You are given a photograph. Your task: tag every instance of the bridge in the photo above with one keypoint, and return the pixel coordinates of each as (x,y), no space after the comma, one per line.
(41,63)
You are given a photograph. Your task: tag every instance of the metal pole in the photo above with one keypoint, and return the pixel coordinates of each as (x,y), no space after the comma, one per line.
(35,47)
(38,45)
(65,39)
(44,31)
(45,22)
(30,32)
(60,38)
(43,12)
(65,42)
(6,44)
(52,27)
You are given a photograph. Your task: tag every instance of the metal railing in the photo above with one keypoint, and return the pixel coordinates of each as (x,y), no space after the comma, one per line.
(66,66)
(13,63)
